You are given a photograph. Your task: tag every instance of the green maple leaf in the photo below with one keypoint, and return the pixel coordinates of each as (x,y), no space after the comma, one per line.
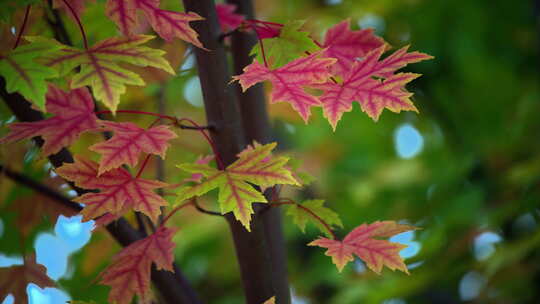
(317,212)
(24,75)
(289,45)
(100,64)
(255,166)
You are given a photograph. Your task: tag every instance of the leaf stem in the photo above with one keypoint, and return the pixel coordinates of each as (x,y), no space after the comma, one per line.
(138,112)
(220,163)
(141,169)
(78,23)
(225,35)
(262,51)
(287,201)
(176,209)
(23,26)
(201,209)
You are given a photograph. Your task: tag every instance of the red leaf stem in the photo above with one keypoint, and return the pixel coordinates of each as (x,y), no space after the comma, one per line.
(141,169)
(23,26)
(287,201)
(139,112)
(192,202)
(220,163)
(78,23)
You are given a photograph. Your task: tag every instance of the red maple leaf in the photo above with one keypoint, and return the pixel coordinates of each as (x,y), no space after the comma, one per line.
(289,81)
(363,83)
(128,142)
(168,24)
(228,19)
(118,190)
(129,273)
(73,114)
(375,253)
(263,29)
(14,279)
(346,45)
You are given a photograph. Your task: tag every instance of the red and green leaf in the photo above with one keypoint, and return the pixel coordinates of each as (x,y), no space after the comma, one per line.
(119,190)
(347,46)
(236,192)
(289,81)
(315,212)
(99,64)
(291,44)
(363,83)
(264,30)
(128,142)
(202,160)
(73,114)
(168,24)
(14,279)
(129,273)
(361,242)
(23,74)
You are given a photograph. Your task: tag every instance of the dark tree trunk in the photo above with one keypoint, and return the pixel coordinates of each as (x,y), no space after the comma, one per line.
(240,118)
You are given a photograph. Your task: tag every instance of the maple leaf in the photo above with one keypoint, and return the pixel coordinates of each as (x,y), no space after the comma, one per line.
(363,83)
(288,81)
(14,279)
(236,194)
(315,212)
(100,67)
(374,252)
(129,273)
(167,24)
(128,142)
(118,190)
(26,76)
(228,19)
(73,114)
(263,29)
(197,177)
(289,45)
(347,46)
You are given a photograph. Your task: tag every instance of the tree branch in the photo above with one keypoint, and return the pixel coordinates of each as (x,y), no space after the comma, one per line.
(223,112)
(257,128)
(174,287)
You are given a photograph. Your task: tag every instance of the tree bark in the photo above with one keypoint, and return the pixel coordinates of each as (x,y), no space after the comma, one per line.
(234,126)
(257,128)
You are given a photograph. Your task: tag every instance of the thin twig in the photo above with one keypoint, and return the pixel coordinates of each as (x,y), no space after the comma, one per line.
(225,35)
(23,26)
(176,209)
(85,41)
(200,209)
(41,188)
(286,201)
(220,163)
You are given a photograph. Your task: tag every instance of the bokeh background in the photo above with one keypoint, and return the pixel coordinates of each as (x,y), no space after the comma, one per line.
(466,168)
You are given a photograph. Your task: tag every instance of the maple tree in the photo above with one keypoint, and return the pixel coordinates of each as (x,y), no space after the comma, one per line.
(346,67)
